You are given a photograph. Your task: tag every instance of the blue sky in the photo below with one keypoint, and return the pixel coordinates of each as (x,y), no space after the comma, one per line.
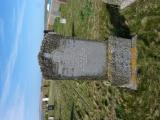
(21,33)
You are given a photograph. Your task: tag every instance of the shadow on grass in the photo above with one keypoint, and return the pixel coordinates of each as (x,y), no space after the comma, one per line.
(118,21)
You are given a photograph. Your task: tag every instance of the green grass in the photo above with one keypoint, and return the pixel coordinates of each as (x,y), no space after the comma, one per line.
(145,23)
(99,100)
(89,19)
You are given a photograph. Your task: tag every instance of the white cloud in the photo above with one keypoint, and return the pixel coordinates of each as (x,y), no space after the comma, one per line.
(16,111)
(12,58)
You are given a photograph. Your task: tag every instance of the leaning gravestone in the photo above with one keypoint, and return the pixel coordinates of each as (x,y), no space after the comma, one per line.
(65,58)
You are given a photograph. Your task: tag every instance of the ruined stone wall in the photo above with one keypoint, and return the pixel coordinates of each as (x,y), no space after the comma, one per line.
(68,58)
(119,56)
(65,58)
(50,43)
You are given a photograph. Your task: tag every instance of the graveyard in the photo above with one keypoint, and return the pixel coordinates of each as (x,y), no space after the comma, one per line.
(96,100)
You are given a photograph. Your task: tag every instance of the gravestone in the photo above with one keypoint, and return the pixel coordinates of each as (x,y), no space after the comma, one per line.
(67,58)
(51,107)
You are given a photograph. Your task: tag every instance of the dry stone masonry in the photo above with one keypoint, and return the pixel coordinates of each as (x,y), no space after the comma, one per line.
(67,58)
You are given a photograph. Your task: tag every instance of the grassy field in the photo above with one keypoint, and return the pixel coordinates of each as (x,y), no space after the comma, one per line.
(88,17)
(143,18)
(99,100)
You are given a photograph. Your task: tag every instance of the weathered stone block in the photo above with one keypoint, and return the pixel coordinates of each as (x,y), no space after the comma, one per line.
(121,3)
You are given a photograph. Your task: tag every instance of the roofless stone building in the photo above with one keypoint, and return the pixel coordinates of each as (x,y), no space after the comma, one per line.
(67,58)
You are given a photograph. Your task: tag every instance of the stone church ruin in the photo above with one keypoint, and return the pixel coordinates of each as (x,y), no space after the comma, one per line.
(67,58)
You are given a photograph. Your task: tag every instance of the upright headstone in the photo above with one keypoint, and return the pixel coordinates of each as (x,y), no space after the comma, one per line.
(63,21)
(51,107)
